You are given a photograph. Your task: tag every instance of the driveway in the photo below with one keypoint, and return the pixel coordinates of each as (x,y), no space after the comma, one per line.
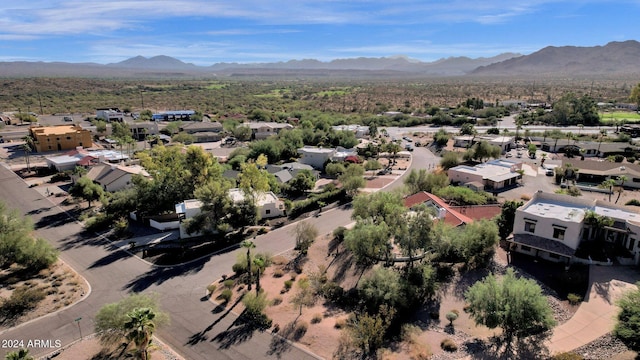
(596,315)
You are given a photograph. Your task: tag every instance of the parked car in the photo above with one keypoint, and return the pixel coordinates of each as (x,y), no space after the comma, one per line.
(68,118)
(549,172)
(509,155)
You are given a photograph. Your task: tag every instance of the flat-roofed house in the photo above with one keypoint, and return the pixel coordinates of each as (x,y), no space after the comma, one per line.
(315,156)
(493,175)
(262,130)
(553,226)
(61,137)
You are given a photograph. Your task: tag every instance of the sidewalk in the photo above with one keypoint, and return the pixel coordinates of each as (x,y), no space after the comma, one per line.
(596,316)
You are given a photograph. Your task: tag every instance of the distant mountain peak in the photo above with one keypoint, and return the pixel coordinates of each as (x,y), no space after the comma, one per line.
(154,62)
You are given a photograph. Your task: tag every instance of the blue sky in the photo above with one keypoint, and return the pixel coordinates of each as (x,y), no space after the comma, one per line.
(205,32)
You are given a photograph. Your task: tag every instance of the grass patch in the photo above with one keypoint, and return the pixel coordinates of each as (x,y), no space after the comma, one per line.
(609,117)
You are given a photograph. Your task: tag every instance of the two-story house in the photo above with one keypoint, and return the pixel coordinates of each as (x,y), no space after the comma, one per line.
(552,226)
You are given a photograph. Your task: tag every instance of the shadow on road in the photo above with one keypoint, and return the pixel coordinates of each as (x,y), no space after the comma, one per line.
(202,335)
(114,255)
(159,275)
(238,332)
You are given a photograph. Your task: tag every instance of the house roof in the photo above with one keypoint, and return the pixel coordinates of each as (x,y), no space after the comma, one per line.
(479,212)
(604,168)
(541,243)
(451,216)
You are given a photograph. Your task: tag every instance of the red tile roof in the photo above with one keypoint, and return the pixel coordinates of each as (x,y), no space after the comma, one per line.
(452,217)
(479,212)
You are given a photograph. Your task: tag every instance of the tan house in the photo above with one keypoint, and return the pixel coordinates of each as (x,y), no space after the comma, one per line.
(115,177)
(61,137)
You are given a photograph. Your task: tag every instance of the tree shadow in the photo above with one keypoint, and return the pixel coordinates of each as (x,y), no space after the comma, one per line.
(115,255)
(202,335)
(282,341)
(497,347)
(239,331)
(158,275)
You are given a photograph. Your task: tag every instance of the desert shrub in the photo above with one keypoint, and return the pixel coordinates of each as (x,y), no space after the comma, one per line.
(633,202)
(340,324)
(61,176)
(449,345)
(338,233)
(120,227)
(316,318)
(276,301)
(288,284)
(22,299)
(225,295)
(278,273)
(332,291)
(212,288)
(567,356)
(99,222)
(451,316)
(631,159)
(229,283)
(255,304)
(574,299)
(300,330)
(279,260)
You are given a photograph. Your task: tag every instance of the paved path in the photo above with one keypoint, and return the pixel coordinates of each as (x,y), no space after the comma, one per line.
(596,315)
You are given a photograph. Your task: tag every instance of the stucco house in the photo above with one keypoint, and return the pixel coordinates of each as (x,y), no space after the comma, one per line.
(493,175)
(115,177)
(595,172)
(315,156)
(442,210)
(553,226)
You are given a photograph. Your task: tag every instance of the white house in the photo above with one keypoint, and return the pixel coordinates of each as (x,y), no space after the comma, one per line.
(359,130)
(109,114)
(269,205)
(262,130)
(493,175)
(315,156)
(114,177)
(552,226)
(82,157)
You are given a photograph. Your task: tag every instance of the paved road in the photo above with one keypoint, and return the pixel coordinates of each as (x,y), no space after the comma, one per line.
(196,331)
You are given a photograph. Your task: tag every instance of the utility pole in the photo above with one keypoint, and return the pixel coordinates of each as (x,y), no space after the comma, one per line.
(79,328)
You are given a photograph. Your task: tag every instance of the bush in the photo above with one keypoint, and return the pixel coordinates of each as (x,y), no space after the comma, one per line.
(255,304)
(567,356)
(288,284)
(631,159)
(229,283)
(22,299)
(212,288)
(61,176)
(451,316)
(226,295)
(316,318)
(448,345)
(340,324)
(574,299)
(633,202)
(278,273)
(276,301)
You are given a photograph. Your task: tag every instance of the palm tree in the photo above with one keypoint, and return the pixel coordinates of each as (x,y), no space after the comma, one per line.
(603,133)
(622,179)
(608,184)
(22,354)
(28,147)
(140,327)
(248,244)
(259,263)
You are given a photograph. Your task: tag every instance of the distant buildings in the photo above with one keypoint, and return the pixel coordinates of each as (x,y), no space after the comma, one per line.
(109,114)
(85,158)
(262,130)
(61,137)
(505,143)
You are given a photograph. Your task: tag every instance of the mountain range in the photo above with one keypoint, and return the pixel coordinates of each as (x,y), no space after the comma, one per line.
(614,58)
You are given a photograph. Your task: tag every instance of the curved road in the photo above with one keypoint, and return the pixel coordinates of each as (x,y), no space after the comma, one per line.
(196,331)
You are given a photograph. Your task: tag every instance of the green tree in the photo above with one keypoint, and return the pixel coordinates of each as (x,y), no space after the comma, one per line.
(507,217)
(635,95)
(88,190)
(305,295)
(248,244)
(449,159)
(334,169)
(467,129)
(441,138)
(352,179)
(215,210)
(22,354)
(372,165)
(111,318)
(242,132)
(608,184)
(305,234)
(28,147)
(368,241)
(302,182)
(514,304)
(417,234)
(139,329)
(253,181)
(383,286)
(483,150)
(367,332)
(421,180)
(380,207)
(627,327)
(183,138)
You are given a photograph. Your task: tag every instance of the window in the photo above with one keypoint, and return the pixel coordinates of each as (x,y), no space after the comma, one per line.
(529,226)
(268,212)
(632,244)
(68,137)
(525,248)
(558,233)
